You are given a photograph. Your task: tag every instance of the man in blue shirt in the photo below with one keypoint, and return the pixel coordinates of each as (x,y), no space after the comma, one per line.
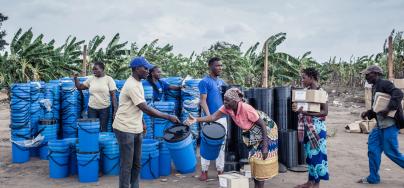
(210,89)
(160,87)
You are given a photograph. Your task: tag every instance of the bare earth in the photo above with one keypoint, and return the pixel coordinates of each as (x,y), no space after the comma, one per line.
(347,153)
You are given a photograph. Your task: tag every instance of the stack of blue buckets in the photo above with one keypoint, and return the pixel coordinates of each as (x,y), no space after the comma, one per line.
(189,94)
(161,124)
(36,112)
(69,109)
(88,154)
(109,153)
(20,121)
(148,94)
(173,95)
(150,159)
(48,129)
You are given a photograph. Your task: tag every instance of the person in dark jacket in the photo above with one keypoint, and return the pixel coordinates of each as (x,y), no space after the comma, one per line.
(383,138)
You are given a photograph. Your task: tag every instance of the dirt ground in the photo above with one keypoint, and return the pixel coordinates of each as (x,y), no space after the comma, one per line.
(347,154)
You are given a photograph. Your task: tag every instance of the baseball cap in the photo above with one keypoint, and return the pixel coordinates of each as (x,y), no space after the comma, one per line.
(140,61)
(372,68)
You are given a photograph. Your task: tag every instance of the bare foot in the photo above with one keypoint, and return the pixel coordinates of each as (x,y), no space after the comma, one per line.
(308,184)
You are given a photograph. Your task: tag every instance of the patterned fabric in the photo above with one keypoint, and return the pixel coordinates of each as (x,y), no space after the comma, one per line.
(316,157)
(234,94)
(306,123)
(253,137)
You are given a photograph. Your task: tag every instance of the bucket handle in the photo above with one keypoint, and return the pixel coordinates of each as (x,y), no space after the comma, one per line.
(89,161)
(91,132)
(148,162)
(112,168)
(59,164)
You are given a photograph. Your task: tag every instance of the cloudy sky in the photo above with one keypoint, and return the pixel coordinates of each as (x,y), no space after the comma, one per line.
(339,28)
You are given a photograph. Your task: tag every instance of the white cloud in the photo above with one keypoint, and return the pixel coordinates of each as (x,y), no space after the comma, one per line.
(327,28)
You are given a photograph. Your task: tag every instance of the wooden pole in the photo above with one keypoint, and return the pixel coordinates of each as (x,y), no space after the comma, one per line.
(265,75)
(84,70)
(390,66)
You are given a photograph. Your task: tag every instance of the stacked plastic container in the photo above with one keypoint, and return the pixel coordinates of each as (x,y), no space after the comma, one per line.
(190,104)
(20,121)
(69,109)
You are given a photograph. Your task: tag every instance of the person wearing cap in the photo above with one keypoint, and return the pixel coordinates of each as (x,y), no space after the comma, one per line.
(383,138)
(102,90)
(160,87)
(128,125)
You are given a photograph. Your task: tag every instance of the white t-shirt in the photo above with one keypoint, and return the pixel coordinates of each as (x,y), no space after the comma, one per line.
(129,117)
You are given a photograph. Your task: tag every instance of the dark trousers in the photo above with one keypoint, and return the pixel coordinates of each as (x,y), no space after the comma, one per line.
(130,148)
(102,115)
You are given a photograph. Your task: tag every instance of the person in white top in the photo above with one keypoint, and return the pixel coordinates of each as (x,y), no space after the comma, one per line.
(102,90)
(128,125)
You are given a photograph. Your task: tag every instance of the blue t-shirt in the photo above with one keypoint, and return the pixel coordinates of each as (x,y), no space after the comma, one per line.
(162,86)
(213,89)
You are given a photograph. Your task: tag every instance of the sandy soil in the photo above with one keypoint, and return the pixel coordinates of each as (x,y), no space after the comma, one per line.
(347,160)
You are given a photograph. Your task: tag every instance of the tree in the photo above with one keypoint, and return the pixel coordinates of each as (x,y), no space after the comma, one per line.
(2,32)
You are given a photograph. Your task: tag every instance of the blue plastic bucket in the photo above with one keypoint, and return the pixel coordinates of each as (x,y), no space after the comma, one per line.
(110,154)
(110,163)
(88,130)
(58,158)
(150,165)
(88,166)
(179,141)
(20,154)
(212,139)
(164,159)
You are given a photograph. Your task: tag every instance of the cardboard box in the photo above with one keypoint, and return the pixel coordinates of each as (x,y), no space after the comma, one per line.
(381,102)
(353,127)
(233,180)
(246,171)
(368,98)
(399,83)
(313,96)
(309,107)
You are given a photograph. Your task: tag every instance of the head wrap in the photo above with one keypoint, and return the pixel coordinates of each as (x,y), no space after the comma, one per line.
(234,94)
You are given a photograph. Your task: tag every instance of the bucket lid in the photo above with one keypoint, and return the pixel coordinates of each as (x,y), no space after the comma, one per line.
(88,120)
(214,131)
(176,133)
(47,121)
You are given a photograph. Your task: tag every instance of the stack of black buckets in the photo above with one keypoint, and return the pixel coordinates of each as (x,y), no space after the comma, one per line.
(276,102)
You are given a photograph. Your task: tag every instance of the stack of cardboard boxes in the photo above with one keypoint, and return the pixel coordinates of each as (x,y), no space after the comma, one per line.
(310,100)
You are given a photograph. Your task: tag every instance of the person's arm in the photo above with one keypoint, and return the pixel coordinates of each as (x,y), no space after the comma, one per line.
(174,87)
(323,111)
(155,113)
(210,118)
(114,103)
(395,99)
(204,104)
(261,123)
(112,91)
(78,85)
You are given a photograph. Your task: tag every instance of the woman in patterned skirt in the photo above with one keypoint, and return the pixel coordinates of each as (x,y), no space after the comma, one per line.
(260,133)
(312,131)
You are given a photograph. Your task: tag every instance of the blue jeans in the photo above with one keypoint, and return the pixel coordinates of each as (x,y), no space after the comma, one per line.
(130,148)
(382,140)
